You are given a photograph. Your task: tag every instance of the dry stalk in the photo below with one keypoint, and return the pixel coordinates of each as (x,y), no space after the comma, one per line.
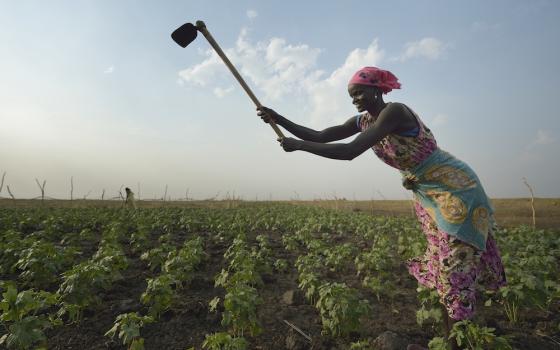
(532,202)
(42,188)
(2,183)
(71,188)
(103,195)
(121,196)
(11,194)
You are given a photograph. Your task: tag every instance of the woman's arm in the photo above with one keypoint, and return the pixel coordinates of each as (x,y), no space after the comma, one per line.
(389,120)
(334,133)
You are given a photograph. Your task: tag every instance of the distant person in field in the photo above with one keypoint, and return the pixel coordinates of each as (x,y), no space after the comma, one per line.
(455,214)
(129,202)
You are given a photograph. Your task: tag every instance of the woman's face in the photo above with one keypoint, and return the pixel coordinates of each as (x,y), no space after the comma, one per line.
(363,96)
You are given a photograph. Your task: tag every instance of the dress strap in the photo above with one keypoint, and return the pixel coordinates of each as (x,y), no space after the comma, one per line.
(420,124)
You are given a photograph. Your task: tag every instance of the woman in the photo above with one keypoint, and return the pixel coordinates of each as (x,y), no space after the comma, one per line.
(455,214)
(130,202)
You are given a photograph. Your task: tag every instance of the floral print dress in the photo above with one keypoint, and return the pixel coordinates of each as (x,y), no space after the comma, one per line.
(455,267)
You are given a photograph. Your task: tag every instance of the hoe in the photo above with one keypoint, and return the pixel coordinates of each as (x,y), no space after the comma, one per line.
(186,34)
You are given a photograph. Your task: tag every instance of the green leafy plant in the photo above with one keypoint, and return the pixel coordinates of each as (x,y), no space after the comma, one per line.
(469,335)
(360,345)
(340,309)
(224,341)
(337,256)
(240,304)
(159,294)
(281,265)
(430,306)
(25,327)
(41,262)
(156,257)
(77,290)
(128,327)
(181,263)
(472,336)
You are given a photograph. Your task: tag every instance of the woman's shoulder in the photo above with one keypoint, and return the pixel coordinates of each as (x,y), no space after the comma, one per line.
(397,107)
(402,110)
(396,110)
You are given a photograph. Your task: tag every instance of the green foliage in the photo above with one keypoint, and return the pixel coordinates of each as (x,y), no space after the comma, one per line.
(377,265)
(77,290)
(224,341)
(25,328)
(12,243)
(41,262)
(430,306)
(128,327)
(281,265)
(319,237)
(262,255)
(159,294)
(337,256)
(439,343)
(360,345)
(340,309)
(81,283)
(181,264)
(472,336)
(531,268)
(214,304)
(156,257)
(240,304)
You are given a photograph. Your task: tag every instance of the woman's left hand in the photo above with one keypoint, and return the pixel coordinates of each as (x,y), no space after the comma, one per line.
(290,144)
(409,182)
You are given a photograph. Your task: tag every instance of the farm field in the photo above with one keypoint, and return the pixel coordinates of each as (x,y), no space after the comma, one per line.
(229,275)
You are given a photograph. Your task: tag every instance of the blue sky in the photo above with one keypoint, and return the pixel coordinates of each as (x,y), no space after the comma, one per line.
(97,91)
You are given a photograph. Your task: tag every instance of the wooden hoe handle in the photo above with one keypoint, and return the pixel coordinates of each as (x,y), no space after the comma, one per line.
(202,28)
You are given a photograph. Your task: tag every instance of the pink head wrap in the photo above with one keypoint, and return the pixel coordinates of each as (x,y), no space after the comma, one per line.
(372,76)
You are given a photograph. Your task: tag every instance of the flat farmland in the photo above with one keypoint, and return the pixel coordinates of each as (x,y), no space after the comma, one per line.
(255,275)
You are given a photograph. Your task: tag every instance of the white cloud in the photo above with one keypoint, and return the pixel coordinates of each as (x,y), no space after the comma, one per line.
(532,151)
(274,66)
(252,14)
(430,48)
(284,70)
(220,92)
(109,70)
(204,72)
(439,120)
(329,97)
(543,138)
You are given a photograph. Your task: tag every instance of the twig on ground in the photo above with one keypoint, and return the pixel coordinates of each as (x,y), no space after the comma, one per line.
(298,330)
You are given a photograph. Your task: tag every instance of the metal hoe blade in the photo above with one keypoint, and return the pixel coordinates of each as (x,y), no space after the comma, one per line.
(184,35)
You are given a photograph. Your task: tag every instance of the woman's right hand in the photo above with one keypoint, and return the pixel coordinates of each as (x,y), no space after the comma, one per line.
(268,114)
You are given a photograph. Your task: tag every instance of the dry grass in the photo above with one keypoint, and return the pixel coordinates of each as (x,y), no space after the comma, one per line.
(509,212)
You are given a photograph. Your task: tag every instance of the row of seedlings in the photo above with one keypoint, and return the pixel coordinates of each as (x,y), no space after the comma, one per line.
(177,270)
(240,281)
(339,305)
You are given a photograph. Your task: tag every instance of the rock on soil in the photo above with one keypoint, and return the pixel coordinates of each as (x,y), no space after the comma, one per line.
(390,341)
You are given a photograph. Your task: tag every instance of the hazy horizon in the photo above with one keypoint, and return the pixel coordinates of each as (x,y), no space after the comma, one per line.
(98,91)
